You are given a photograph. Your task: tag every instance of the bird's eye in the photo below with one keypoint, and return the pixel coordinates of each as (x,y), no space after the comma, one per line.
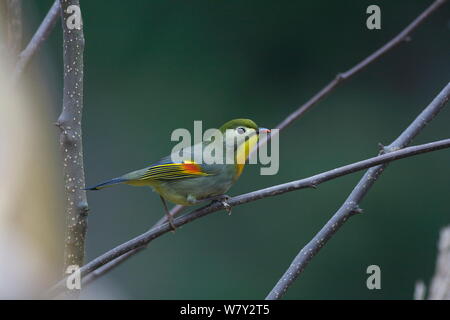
(240,130)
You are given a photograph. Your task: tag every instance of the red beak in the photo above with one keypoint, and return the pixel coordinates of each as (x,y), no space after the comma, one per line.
(263,130)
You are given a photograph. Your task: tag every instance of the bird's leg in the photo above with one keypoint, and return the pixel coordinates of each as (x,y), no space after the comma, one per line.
(223,199)
(168,215)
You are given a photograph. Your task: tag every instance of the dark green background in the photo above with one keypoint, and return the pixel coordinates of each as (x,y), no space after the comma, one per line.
(153,66)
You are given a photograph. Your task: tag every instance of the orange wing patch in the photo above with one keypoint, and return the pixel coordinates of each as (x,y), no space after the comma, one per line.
(173,171)
(192,167)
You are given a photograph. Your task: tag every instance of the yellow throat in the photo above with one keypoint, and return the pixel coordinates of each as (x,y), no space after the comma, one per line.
(243,152)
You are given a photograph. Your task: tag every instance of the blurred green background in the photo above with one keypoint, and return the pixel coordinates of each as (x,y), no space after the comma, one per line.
(153,66)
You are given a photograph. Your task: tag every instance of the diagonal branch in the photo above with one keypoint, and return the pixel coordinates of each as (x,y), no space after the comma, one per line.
(37,40)
(313,181)
(343,76)
(402,36)
(94,275)
(351,204)
(119,260)
(440,285)
(69,123)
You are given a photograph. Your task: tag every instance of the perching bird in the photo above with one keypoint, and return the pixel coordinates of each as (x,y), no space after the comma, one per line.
(187,182)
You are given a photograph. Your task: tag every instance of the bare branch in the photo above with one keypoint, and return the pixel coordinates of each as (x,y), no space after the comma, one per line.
(14,27)
(94,275)
(119,260)
(440,284)
(341,77)
(37,40)
(419,290)
(352,202)
(312,181)
(334,84)
(69,123)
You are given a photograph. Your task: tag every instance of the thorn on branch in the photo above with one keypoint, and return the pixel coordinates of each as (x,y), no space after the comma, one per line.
(357,210)
(61,122)
(381,148)
(340,76)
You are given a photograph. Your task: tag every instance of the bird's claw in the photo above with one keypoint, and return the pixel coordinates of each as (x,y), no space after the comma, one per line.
(223,200)
(168,215)
(172,226)
(227,207)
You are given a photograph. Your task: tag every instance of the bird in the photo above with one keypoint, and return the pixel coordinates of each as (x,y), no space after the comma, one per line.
(187,182)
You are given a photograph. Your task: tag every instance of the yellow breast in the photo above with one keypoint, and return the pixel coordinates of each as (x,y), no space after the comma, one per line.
(242,154)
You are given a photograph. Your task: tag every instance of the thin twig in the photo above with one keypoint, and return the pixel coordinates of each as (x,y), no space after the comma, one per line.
(94,275)
(37,40)
(351,204)
(341,77)
(404,34)
(176,210)
(312,181)
(419,290)
(69,123)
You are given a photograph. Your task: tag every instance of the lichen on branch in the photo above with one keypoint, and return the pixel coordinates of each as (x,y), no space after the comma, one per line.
(69,123)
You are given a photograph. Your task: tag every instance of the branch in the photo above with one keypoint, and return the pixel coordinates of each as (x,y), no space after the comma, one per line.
(351,204)
(419,290)
(340,78)
(94,275)
(301,110)
(69,123)
(440,285)
(119,260)
(312,181)
(37,40)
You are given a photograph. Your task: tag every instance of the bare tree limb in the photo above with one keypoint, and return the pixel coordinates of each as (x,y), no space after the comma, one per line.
(119,260)
(440,284)
(37,40)
(351,204)
(312,181)
(94,275)
(419,290)
(403,35)
(69,123)
(341,77)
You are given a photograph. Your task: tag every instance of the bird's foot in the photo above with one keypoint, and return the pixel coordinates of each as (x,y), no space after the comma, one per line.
(227,207)
(223,199)
(170,220)
(168,215)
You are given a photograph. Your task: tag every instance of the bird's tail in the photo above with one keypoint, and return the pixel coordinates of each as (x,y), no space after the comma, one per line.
(108,183)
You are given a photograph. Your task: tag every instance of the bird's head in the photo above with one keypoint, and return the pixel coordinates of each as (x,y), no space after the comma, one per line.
(241,128)
(238,130)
